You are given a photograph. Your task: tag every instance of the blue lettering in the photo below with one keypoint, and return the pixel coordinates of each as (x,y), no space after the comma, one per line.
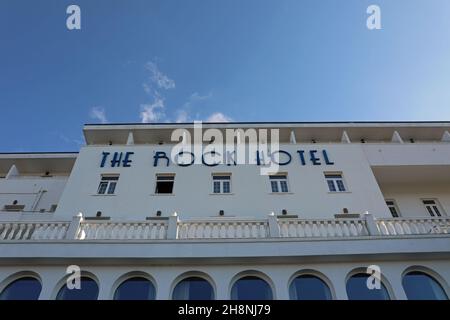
(104,157)
(185,164)
(283,152)
(301,153)
(327,160)
(117,158)
(213,153)
(160,155)
(315,161)
(126,160)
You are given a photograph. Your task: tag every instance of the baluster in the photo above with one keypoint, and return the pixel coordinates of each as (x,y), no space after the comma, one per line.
(199,231)
(146,231)
(153,231)
(61,231)
(263,230)
(405,226)
(323,229)
(352,229)
(191,230)
(207,231)
(26,235)
(19,235)
(183,231)
(390,228)
(308,229)
(223,230)
(13,231)
(55,231)
(300,226)
(291,229)
(254,230)
(315,229)
(332,228)
(230,230)
(215,232)
(284,230)
(247,230)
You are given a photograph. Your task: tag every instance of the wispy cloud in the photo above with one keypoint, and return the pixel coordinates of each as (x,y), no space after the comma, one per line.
(159,78)
(218,117)
(152,112)
(98,113)
(155,85)
(184,113)
(77,142)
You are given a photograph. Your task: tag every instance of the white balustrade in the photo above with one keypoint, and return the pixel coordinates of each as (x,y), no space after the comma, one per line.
(33,230)
(413,226)
(222,229)
(153,230)
(323,228)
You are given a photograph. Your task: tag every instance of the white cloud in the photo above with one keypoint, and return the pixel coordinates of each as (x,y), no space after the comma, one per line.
(159,78)
(99,114)
(195,97)
(182,116)
(184,113)
(152,112)
(218,117)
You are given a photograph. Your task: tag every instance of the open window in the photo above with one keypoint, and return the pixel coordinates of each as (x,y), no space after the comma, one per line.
(164,184)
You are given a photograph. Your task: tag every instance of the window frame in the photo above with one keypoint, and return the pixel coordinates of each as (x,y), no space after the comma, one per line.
(393,205)
(108,180)
(276,180)
(334,178)
(164,175)
(221,178)
(435,206)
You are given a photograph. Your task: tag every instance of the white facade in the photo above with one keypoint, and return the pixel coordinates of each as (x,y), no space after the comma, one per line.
(249,230)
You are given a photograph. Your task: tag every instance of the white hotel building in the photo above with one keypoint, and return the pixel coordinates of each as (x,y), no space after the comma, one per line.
(347,196)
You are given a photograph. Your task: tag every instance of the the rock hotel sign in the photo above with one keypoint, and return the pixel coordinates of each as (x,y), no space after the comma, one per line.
(241,146)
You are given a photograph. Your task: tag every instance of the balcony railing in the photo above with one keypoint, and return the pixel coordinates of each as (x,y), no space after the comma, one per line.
(223,228)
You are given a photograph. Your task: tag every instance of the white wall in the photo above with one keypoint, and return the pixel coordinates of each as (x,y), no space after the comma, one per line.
(309,197)
(409,197)
(31,191)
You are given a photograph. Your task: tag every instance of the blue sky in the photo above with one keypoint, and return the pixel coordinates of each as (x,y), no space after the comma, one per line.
(238,60)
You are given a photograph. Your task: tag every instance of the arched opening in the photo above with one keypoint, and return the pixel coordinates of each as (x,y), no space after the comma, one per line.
(309,287)
(193,288)
(360,287)
(421,286)
(251,288)
(88,290)
(24,288)
(135,288)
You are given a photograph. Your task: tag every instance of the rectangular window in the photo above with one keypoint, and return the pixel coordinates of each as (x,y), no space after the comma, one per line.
(335,182)
(164,184)
(433,208)
(393,208)
(108,184)
(221,183)
(278,183)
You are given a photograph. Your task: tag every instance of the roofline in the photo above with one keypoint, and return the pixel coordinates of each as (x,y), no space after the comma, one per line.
(38,155)
(265,123)
(41,152)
